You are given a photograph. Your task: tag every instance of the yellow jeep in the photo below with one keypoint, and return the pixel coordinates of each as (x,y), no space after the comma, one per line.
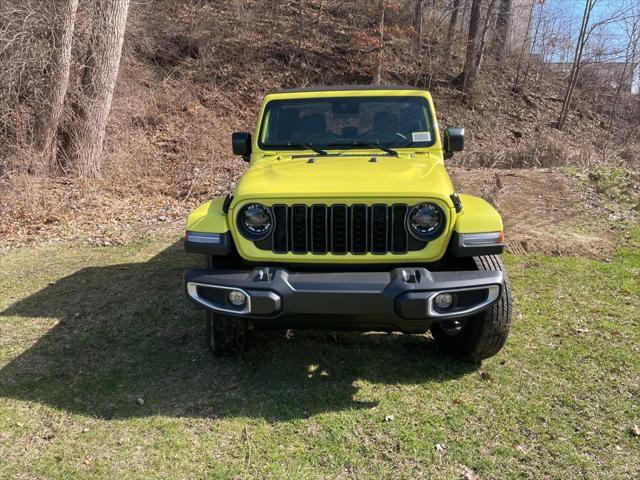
(346,219)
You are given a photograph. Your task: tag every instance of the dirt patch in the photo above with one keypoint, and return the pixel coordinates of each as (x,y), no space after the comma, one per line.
(544,211)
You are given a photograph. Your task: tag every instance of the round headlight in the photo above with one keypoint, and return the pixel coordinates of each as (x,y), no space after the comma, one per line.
(256,220)
(425,221)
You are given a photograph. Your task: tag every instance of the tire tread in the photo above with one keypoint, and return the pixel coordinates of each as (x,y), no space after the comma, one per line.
(484,334)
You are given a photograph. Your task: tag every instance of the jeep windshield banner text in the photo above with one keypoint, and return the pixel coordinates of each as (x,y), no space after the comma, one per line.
(346,219)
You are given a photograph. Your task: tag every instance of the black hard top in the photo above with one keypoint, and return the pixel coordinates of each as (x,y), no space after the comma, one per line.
(346,88)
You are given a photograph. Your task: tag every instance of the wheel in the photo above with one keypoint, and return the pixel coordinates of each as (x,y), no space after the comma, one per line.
(484,334)
(225,335)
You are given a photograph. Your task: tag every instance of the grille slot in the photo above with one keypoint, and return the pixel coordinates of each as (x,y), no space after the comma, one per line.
(399,234)
(339,222)
(299,232)
(319,229)
(340,229)
(359,228)
(379,228)
(280,215)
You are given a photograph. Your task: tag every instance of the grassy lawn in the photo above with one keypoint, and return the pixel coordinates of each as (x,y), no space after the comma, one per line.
(103,373)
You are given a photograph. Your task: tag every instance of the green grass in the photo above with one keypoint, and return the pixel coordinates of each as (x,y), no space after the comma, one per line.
(617,186)
(85,332)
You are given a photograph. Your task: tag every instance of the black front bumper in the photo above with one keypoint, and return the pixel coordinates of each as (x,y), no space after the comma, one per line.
(396,300)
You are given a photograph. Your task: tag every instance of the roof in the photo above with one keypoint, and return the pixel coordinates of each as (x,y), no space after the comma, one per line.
(346,88)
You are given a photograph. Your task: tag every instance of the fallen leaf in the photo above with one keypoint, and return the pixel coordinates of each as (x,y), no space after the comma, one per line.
(468,473)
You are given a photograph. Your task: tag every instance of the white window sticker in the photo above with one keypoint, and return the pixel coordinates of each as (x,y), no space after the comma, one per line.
(421,136)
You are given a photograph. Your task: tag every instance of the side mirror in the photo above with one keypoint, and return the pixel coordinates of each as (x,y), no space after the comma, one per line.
(453,141)
(241,144)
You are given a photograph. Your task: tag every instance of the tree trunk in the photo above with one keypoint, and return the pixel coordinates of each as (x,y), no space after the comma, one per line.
(453,21)
(97,86)
(377,75)
(469,73)
(525,40)
(49,119)
(577,63)
(451,31)
(465,15)
(483,38)
(534,41)
(417,23)
(503,27)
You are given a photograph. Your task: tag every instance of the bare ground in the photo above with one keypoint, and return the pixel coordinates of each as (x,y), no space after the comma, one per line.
(545,211)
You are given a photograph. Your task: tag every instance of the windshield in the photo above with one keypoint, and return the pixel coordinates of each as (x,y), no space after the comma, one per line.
(346,122)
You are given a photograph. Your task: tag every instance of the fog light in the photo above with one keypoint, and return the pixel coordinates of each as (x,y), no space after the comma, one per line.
(443,300)
(237,298)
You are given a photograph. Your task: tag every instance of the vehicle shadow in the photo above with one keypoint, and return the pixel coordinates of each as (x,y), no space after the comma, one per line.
(128,344)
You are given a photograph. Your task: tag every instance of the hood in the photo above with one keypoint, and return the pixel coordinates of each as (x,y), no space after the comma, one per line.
(409,175)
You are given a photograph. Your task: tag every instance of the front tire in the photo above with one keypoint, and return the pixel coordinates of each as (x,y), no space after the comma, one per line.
(225,335)
(483,335)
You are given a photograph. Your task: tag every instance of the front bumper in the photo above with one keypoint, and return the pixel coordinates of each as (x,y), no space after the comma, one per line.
(396,300)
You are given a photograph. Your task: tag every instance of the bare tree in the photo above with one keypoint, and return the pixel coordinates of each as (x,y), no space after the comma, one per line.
(586,29)
(465,15)
(483,37)
(97,86)
(60,66)
(503,25)
(577,60)
(417,22)
(534,41)
(451,31)
(470,70)
(632,29)
(377,75)
(525,43)
(453,21)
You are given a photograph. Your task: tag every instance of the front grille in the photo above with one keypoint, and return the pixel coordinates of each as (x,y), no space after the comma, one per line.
(340,229)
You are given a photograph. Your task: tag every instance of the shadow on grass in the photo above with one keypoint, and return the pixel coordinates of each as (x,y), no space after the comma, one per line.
(126,333)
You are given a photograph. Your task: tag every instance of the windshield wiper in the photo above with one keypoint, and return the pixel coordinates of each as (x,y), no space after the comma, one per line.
(308,146)
(388,150)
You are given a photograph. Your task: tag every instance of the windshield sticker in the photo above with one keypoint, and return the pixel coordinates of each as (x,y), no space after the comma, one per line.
(421,136)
